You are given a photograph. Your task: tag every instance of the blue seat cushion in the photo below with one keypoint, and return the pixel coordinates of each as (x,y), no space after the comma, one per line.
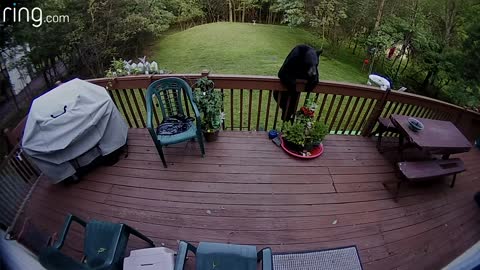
(191,132)
(226,257)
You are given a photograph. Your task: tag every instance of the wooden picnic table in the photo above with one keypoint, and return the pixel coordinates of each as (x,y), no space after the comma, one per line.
(437,137)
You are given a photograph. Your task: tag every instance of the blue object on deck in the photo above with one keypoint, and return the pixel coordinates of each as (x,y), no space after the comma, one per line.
(272,134)
(477,143)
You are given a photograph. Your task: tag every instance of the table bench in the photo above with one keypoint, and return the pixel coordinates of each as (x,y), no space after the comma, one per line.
(421,170)
(429,169)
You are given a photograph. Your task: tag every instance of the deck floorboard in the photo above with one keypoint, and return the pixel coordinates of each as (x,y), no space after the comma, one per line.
(247,191)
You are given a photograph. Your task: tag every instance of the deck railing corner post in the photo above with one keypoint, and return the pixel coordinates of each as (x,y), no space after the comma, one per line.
(376,112)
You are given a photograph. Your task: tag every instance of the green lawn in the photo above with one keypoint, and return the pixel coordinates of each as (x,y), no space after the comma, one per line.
(241,48)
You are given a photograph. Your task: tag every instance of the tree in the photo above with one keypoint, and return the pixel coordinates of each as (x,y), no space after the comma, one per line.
(327,15)
(97,32)
(293,11)
(381,6)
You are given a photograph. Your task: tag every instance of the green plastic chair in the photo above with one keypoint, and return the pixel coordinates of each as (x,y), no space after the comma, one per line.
(103,249)
(168,93)
(220,256)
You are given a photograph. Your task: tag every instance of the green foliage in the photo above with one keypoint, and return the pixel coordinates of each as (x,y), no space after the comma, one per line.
(318,132)
(97,31)
(293,11)
(294,132)
(209,102)
(305,130)
(116,69)
(327,15)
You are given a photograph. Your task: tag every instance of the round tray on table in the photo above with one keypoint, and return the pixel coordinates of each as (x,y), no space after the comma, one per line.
(316,151)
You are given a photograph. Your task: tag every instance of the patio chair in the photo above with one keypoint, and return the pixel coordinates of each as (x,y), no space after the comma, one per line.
(168,94)
(103,248)
(224,256)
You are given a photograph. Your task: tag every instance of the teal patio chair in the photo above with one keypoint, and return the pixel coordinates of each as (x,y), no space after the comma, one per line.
(168,93)
(103,248)
(219,256)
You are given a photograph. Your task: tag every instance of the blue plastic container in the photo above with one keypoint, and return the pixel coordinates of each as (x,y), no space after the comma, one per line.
(272,134)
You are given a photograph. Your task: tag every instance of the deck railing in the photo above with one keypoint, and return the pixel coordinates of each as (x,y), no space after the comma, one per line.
(17,177)
(248,103)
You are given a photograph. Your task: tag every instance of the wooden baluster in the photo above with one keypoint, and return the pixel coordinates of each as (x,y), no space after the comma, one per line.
(345,111)
(231,108)
(330,106)
(249,108)
(135,102)
(24,165)
(387,107)
(394,109)
(223,108)
(406,109)
(157,123)
(259,111)
(415,111)
(389,113)
(350,115)
(358,113)
(241,109)
(430,114)
(186,102)
(340,103)
(28,166)
(376,112)
(280,96)
(409,110)
(130,110)
(320,111)
(423,112)
(289,99)
(125,115)
(18,169)
(368,113)
(270,92)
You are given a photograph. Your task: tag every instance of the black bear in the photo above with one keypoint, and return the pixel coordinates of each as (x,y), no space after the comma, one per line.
(301,63)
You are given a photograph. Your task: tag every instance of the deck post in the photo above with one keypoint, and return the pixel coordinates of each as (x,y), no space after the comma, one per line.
(376,112)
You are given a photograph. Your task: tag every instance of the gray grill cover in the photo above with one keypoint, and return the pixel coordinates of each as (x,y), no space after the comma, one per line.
(91,126)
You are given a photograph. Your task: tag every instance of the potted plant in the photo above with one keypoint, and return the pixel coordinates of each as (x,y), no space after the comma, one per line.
(304,133)
(209,102)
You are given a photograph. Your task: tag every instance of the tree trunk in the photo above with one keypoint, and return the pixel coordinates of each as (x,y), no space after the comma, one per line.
(230,11)
(398,68)
(355,47)
(406,65)
(243,12)
(426,81)
(381,5)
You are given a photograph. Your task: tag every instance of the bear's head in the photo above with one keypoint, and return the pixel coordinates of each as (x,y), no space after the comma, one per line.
(311,60)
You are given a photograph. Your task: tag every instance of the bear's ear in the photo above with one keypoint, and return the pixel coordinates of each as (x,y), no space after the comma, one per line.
(319,52)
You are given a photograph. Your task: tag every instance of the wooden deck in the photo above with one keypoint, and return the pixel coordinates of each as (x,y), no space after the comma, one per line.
(247,191)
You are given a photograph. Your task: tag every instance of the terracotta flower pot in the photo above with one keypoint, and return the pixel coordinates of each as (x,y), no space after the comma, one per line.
(210,136)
